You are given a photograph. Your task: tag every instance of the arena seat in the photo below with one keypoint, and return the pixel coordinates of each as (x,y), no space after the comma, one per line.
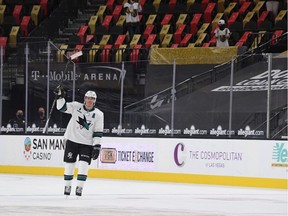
(2,13)
(208,13)
(166,19)
(174,45)
(13,36)
(3,44)
(151,20)
(232,7)
(134,55)
(101,13)
(17,13)
(61,51)
(259,7)
(107,21)
(26,25)
(164,30)
(205,28)
(201,38)
(178,33)
(92,23)
(119,41)
(156,4)
(135,40)
(244,9)
(92,52)
(150,40)
(182,19)
(167,40)
(121,21)
(186,40)
(195,23)
(149,30)
(234,16)
(106,53)
(276,34)
(36,14)
(82,33)
(117,12)
(104,41)
(110,5)
(120,54)
(44,7)
(244,40)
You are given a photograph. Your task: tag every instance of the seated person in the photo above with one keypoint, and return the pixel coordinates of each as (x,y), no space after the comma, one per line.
(18,121)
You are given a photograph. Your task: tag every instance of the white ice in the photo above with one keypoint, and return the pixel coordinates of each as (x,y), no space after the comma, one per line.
(43,195)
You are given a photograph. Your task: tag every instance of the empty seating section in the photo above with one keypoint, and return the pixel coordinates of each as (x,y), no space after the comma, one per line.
(163,23)
(18,18)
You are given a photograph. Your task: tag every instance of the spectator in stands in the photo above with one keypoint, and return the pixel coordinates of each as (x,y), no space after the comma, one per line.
(18,121)
(40,121)
(273,6)
(222,34)
(132,9)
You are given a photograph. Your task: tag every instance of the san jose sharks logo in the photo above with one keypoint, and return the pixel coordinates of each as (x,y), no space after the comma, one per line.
(83,122)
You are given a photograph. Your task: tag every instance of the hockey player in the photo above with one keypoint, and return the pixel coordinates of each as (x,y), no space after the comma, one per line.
(83,136)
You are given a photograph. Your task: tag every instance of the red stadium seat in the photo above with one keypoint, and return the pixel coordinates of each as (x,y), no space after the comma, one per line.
(194,23)
(174,45)
(244,8)
(44,7)
(3,43)
(106,53)
(134,55)
(82,33)
(232,18)
(117,12)
(25,25)
(148,31)
(209,11)
(17,13)
(178,33)
(150,40)
(263,16)
(166,19)
(119,41)
(186,39)
(107,21)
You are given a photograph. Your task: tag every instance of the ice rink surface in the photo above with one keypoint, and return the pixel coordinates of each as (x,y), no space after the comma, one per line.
(43,195)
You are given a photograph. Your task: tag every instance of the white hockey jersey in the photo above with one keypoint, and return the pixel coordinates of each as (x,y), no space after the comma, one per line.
(85,126)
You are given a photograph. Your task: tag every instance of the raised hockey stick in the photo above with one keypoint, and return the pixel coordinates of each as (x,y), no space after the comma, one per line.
(69,60)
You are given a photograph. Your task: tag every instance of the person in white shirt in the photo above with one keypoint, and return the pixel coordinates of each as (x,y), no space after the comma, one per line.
(83,137)
(222,34)
(132,10)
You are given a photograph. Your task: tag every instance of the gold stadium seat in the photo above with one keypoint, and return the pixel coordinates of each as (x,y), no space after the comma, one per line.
(13,36)
(151,19)
(203,28)
(166,40)
(93,51)
(35,14)
(200,39)
(121,20)
(181,19)
(61,52)
(2,12)
(101,12)
(164,30)
(231,7)
(92,23)
(104,41)
(135,40)
(120,52)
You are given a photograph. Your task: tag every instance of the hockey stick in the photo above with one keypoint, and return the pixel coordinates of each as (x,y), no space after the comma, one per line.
(69,60)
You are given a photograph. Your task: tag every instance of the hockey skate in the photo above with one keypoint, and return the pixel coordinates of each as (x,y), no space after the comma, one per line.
(79,191)
(67,190)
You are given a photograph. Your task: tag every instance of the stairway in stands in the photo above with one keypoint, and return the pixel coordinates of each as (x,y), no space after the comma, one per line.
(68,34)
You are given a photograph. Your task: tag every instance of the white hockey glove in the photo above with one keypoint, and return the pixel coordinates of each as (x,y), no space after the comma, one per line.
(95,151)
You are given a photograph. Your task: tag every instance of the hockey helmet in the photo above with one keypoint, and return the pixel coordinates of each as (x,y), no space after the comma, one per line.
(91,94)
